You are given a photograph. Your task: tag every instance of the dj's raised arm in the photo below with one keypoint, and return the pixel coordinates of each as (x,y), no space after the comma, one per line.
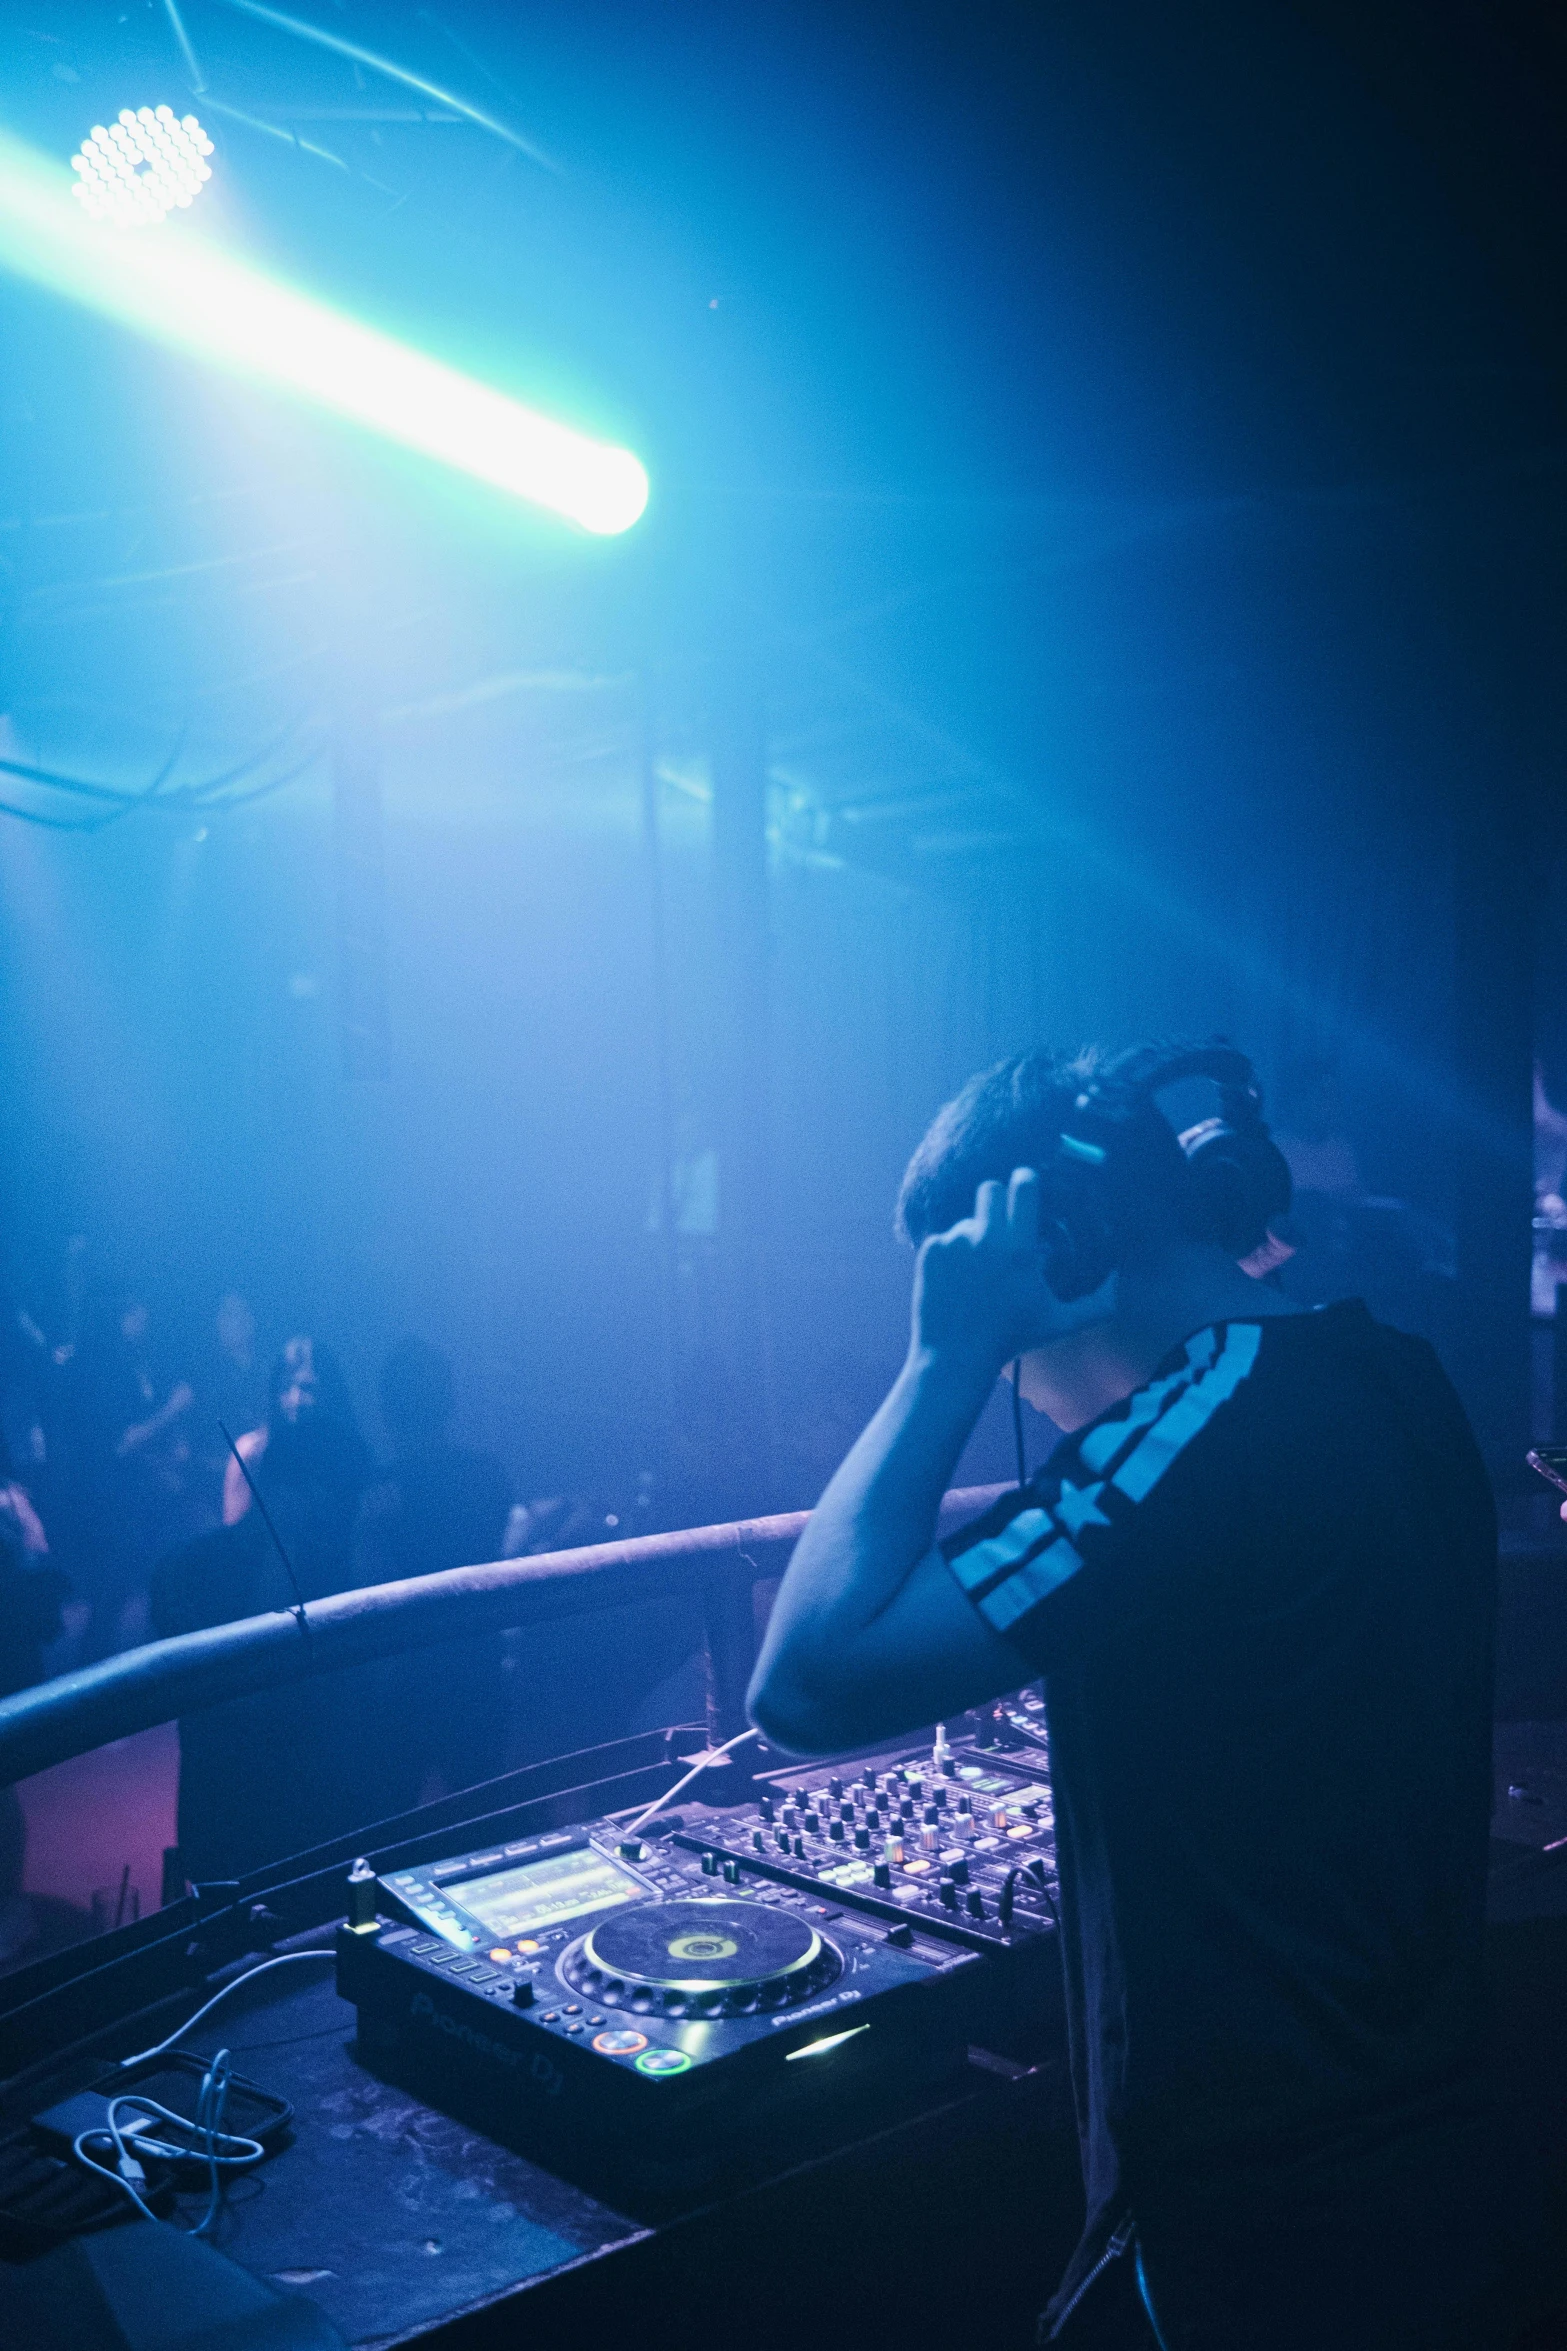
(1082,1272)
(871,1633)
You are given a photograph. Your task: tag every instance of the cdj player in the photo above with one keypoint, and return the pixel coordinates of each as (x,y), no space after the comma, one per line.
(647,2008)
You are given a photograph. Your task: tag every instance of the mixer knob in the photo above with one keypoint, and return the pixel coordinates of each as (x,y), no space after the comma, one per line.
(957,1871)
(916,1786)
(732,1873)
(872,1817)
(835,1787)
(966,1807)
(930,1816)
(974,1902)
(783,1840)
(813,1821)
(835,1831)
(862,1839)
(881,1874)
(710,1865)
(940,1794)
(758,1841)
(791,1816)
(765,1807)
(998,1816)
(798,1848)
(949,1894)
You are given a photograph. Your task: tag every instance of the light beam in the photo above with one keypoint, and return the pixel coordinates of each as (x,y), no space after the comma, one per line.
(184,292)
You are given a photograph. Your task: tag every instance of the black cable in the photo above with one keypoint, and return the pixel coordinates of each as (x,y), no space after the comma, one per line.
(298,1612)
(1017,1421)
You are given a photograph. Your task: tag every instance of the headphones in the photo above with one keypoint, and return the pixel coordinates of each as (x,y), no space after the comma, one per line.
(1227,1172)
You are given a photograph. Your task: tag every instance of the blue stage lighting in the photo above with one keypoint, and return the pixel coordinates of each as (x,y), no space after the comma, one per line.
(142,167)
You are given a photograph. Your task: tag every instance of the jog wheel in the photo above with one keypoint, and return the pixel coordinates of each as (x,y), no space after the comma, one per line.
(701,1959)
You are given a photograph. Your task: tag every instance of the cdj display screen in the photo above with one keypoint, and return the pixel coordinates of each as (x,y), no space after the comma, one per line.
(541,1893)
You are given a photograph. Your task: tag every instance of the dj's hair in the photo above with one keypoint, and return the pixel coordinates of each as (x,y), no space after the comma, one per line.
(1115,1177)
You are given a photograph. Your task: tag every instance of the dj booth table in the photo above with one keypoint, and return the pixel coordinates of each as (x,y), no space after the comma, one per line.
(947,2214)
(407,2227)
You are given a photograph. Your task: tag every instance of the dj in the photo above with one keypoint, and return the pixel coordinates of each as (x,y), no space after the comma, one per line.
(1258,1577)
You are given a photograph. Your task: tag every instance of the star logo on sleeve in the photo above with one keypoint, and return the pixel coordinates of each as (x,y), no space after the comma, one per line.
(1077,1507)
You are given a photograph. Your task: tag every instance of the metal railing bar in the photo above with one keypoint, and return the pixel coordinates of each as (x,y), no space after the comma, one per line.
(77,1712)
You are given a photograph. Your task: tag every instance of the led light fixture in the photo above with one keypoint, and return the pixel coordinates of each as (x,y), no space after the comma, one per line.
(187,292)
(142,167)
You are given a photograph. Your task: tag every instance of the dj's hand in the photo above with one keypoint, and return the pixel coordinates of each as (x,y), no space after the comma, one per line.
(980,1290)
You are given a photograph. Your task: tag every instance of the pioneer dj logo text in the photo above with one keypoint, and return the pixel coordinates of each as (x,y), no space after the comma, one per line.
(822,2008)
(424,2011)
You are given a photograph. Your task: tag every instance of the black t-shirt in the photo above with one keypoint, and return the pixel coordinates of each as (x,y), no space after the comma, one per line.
(1261,1590)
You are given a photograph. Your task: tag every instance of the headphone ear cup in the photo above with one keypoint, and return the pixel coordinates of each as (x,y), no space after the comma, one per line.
(1078,1253)
(1238,1181)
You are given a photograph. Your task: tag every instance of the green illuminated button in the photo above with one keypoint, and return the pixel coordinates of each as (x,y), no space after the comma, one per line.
(662,2061)
(619,2044)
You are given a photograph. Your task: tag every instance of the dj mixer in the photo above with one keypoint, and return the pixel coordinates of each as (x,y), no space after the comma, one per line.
(650,2005)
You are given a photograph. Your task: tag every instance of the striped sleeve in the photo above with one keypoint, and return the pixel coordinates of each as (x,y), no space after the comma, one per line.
(1009,1562)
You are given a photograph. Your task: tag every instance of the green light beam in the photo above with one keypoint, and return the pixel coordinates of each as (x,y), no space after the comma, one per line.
(170,285)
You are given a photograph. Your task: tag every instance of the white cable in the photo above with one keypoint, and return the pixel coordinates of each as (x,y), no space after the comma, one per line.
(249,2150)
(116,2179)
(284,1959)
(698,1767)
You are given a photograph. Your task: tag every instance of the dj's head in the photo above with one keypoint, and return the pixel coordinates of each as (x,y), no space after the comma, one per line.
(1118,1185)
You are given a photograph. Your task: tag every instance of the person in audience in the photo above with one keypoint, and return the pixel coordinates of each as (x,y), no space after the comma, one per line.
(231,1393)
(32,1596)
(439,1505)
(306,1379)
(264,1777)
(131,1460)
